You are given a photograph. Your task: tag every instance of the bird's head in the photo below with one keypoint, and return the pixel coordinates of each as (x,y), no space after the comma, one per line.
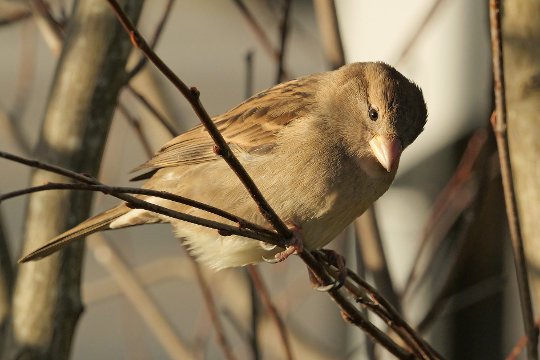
(386,110)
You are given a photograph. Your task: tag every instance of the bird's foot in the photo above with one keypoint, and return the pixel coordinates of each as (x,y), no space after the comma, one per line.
(336,260)
(295,246)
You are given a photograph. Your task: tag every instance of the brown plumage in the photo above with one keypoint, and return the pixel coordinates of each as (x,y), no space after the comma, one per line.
(321,149)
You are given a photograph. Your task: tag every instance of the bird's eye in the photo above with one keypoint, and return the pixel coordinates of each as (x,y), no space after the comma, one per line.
(373,114)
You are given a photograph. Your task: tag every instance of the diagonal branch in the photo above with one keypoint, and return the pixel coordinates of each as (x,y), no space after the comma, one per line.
(274,315)
(136,294)
(192,95)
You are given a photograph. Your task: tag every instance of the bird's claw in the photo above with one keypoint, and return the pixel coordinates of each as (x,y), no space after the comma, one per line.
(337,260)
(295,246)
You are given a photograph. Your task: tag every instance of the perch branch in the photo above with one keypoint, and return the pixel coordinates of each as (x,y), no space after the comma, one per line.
(192,95)
(94,185)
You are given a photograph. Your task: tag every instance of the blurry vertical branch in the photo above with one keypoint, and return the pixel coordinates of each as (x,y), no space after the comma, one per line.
(283,32)
(46,299)
(521,35)
(325,11)
(500,129)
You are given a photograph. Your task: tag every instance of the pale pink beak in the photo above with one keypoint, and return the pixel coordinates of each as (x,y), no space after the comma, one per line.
(387,151)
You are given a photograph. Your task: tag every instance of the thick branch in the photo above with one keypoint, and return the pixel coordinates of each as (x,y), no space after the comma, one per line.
(81,104)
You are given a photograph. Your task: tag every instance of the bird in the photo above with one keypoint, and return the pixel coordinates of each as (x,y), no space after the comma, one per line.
(320,148)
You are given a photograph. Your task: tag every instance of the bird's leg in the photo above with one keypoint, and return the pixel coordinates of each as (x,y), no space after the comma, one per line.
(295,246)
(335,259)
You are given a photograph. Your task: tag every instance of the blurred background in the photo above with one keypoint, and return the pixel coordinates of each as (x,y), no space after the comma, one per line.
(442,220)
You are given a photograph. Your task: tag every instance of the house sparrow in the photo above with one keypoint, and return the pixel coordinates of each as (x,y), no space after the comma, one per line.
(321,149)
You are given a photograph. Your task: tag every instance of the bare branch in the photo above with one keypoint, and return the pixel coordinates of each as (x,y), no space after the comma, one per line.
(139,298)
(257,29)
(157,35)
(271,309)
(211,307)
(520,344)
(454,198)
(325,10)
(94,185)
(374,258)
(349,312)
(499,127)
(419,30)
(15,17)
(153,110)
(136,125)
(283,32)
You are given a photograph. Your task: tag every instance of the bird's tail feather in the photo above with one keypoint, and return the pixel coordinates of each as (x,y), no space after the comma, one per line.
(94,224)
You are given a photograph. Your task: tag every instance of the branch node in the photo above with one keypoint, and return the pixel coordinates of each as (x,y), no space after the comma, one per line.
(223,232)
(217,150)
(135,39)
(195,92)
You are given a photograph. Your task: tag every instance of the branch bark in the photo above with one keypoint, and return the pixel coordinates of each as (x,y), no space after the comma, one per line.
(500,128)
(521,33)
(46,300)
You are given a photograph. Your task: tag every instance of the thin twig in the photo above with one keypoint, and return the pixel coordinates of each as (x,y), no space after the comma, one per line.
(249,74)
(139,298)
(26,72)
(325,11)
(20,15)
(520,344)
(51,30)
(349,312)
(153,42)
(254,336)
(499,127)
(390,315)
(257,29)
(448,206)
(272,311)
(140,191)
(153,110)
(211,307)
(283,32)
(134,202)
(374,258)
(136,125)
(419,30)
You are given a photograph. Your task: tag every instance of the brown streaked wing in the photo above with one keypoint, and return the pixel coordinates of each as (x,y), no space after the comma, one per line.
(250,127)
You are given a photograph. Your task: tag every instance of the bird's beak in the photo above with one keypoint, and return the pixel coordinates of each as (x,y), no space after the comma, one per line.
(387,151)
